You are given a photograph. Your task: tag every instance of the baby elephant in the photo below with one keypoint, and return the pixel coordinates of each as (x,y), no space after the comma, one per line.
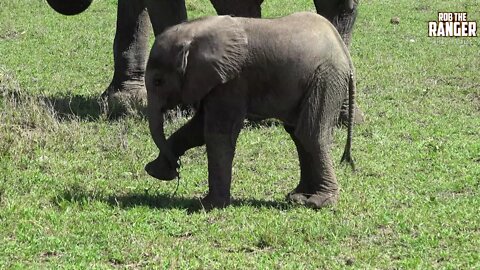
(295,69)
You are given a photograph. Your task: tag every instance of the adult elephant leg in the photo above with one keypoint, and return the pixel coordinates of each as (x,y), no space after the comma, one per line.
(300,193)
(166,13)
(340,14)
(126,92)
(243,8)
(343,17)
(344,21)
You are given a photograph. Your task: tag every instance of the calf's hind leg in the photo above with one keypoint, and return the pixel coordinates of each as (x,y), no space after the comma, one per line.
(313,135)
(323,186)
(318,185)
(299,194)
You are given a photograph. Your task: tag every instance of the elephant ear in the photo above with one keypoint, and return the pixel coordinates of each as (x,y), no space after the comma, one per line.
(214,56)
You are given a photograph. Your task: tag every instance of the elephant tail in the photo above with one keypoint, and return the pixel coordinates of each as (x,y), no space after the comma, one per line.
(347,153)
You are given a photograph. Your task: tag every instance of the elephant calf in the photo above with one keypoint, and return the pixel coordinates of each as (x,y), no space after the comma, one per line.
(296,69)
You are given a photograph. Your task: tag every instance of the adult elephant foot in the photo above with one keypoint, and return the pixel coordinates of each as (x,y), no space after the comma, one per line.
(299,195)
(316,201)
(322,199)
(210,202)
(127,98)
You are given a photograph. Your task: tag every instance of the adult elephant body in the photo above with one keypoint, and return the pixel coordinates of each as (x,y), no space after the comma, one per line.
(131,38)
(295,69)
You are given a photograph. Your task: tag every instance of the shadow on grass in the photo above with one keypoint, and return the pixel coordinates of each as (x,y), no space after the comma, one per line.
(79,196)
(166,201)
(65,107)
(92,108)
(83,107)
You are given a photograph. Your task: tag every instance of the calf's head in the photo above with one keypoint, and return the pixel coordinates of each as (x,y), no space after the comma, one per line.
(186,62)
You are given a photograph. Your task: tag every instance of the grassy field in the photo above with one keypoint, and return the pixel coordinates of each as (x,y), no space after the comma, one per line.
(73,192)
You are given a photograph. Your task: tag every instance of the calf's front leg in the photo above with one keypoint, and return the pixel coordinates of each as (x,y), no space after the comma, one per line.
(188,136)
(220,152)
(223,122)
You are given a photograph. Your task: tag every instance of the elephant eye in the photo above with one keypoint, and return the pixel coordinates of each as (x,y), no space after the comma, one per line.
(158,82)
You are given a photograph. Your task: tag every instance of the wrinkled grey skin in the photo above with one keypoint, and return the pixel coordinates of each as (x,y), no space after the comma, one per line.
(295,69)
(127,89)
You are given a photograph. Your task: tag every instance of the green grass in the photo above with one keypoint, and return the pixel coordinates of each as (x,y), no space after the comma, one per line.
(73,192)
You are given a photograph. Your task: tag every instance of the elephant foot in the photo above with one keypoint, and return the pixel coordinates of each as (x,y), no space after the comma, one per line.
(299,195)
(322,200)
(358,116)
(211,202)
(127,98)
(316,201)
(161,169)
(297,198)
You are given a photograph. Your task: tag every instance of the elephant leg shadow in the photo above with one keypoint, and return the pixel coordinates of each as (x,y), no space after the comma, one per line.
(77,194)
(191,205)
(88,108)
(77,106)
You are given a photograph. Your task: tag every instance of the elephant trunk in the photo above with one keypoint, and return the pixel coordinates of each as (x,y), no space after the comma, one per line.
(155,122)
(69,7)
